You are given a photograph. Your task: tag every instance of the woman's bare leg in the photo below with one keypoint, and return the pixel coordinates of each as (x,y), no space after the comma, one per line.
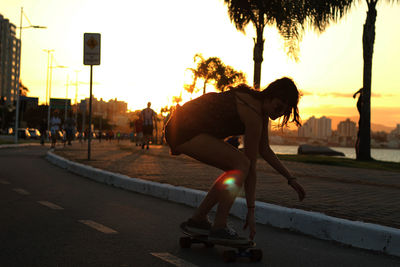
(217,153)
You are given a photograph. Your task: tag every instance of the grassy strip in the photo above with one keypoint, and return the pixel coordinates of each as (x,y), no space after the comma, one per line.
(343,162)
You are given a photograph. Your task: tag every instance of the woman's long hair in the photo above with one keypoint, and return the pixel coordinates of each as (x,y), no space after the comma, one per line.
(283,89)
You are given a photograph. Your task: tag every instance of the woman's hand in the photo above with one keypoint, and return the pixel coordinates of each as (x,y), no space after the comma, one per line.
(250,222)
(298,188)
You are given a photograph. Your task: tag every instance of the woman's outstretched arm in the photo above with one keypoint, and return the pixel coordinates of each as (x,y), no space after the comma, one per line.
(269,156)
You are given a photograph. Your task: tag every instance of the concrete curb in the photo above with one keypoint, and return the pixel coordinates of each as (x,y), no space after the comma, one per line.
(357,234)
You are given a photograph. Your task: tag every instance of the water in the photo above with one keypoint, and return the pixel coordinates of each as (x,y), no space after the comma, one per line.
(392,155)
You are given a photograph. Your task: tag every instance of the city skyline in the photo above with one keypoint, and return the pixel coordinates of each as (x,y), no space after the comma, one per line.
(336,120)
(155,54)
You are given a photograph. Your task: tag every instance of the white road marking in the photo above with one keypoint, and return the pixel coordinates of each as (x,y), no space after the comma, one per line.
(172,259)
(50,205)
(98,227)
(4,182)
(21,191)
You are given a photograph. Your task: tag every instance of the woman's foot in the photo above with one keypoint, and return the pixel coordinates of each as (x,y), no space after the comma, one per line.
(227,235)
(198,227)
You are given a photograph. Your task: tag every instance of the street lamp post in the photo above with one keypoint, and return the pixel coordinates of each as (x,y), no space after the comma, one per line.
(19,66)
(76,98)
(51,77)
(48,51)
(66,97)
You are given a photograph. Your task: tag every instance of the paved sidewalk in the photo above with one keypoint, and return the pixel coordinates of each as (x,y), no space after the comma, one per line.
(349,193)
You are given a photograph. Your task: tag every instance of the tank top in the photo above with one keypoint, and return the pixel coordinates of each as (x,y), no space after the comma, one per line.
(213,113)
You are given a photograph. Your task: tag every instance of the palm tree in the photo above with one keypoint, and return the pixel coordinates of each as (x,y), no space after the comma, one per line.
(213,70)
(364,126)
(226,76)
(289,16)
(177,99)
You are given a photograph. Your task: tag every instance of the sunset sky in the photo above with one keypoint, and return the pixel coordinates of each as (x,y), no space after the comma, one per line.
(147,46)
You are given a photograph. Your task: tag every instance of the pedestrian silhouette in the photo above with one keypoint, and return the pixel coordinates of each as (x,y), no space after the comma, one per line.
(360,104)
(149,120)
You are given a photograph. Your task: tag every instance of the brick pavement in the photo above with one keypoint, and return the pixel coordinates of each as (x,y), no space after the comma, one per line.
(350,193)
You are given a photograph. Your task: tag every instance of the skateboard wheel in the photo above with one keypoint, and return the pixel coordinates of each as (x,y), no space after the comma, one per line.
(256,255)
(185,242)
(229,256)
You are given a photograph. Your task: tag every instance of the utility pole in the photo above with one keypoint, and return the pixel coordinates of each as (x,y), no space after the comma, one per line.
(19,72)
(66,100)
(76,99)
(49,107)
(48,51)
(19,80)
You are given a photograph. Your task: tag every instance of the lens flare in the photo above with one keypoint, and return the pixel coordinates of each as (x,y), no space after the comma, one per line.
(230,182)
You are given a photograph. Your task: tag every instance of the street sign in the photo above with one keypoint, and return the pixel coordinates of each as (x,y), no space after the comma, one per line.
(91,49)
(91,56)
(58,103)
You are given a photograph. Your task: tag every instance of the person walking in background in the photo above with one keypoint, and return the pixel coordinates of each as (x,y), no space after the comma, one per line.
(55,123)
(360,104)
(198,128)
(139,131)
(149,120)
(100,135)
(43,129)
(69,126)
(86,136)
(110,135)
(118,136)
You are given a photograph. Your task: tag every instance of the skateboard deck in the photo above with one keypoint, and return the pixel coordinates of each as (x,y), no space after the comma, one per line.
(242,250)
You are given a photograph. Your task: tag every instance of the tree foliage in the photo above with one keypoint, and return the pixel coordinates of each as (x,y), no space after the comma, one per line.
(23,89)
(213,71)
(291,17)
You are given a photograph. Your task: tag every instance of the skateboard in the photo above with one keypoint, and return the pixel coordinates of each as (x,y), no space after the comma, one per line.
(237,250)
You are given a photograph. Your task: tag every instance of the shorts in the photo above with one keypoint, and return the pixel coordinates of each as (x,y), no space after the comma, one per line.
(147,129)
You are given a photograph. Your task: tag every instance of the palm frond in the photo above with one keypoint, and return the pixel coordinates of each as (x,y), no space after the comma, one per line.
(290,16)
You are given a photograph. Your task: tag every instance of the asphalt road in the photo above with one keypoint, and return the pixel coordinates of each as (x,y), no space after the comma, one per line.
(50,217)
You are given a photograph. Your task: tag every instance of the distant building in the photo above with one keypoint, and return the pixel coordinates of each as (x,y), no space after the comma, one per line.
(117,107)
(114,111)
(394,137)
(324,127)
(347,128)
(99,107)
(28,103)
(106,109)
(316,128)
(396,131)
(10,51)
(347,133)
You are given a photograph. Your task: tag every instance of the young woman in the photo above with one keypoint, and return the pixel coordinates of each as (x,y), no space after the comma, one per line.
(198,128)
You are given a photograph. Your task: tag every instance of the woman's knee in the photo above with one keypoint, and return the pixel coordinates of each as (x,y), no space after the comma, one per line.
(243,166)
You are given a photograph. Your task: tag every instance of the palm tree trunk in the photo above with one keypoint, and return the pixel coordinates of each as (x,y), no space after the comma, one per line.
(368,50)
(258,54)
(204,86)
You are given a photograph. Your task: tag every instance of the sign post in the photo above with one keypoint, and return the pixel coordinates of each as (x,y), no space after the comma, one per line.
(91,56)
